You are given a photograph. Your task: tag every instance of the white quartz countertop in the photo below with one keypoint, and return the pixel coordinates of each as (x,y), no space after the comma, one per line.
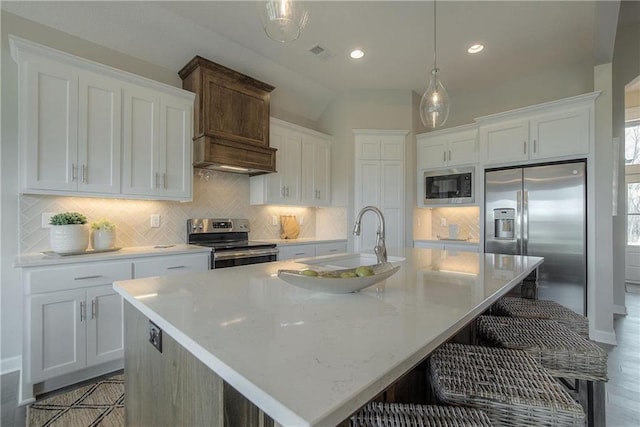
(310,358)
(301,241)
(41,258)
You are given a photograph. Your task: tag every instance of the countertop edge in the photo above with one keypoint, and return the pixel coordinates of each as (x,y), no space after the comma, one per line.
(38,259)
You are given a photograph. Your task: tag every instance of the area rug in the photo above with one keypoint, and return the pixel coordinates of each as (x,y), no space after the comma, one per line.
(97,404)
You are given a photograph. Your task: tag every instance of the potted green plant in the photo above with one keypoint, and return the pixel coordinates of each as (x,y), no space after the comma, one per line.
(69,232)
(103,234)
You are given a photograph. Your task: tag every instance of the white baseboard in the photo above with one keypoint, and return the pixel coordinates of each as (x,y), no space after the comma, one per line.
(10,364)
(619,309)
(603,337)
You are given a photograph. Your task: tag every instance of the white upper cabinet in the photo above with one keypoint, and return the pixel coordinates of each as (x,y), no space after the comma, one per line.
(556,130)
(303,164)
(157,145)
(91,130)
(449,147)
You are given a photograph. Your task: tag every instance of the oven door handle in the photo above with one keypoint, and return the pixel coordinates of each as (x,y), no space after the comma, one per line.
(221,256)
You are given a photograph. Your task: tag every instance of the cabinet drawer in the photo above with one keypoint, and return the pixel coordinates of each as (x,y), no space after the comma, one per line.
(330,248)
(170,265)
(295,251)
(75,276)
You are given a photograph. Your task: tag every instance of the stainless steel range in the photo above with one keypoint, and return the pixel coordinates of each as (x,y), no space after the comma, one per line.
(229,242)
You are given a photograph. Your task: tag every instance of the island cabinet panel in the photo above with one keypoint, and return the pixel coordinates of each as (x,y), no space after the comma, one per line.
(175,388)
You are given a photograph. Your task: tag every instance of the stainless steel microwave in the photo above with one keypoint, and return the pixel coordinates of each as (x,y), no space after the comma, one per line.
(449,186)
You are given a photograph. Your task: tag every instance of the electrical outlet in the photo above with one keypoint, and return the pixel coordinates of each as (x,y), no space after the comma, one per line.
(274,220)
(46,217)
(301,219)
(443,222)
(155,221)
(155,336)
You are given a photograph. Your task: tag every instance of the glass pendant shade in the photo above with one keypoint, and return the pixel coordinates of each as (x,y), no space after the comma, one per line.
(283,20)
(434,105)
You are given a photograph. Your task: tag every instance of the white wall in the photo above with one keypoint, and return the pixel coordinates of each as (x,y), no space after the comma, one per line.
(626,67)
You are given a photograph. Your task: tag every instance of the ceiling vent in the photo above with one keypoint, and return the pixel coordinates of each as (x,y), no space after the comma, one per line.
(320,52)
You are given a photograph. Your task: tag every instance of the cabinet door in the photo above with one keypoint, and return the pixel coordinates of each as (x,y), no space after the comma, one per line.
(140,142)
(505,142)
(392,202)
(291,168)
(58,333)
(432,153)
(99,134)
(315,172)
(286,252)
(174,151)
(323,174)
(462,149)
(368,182)
(105,328)
(49,125)
(330,248)
(170,265)
(274,183)
(563,134)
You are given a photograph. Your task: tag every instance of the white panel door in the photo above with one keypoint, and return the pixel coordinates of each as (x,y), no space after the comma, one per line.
(462,149)
(431,154)
(323,174)
(58,333)
(505,142)
(140,142)
(49,125)
(99,134)
(291,168)
(392,202)
(175,168)
(368,193)
(560,134)
(105,326)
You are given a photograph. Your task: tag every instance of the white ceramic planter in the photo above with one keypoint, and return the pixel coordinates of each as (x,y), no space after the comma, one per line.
(103,239)
(69,238)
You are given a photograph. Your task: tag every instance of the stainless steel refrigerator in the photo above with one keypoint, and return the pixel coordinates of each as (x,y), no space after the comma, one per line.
(540,210)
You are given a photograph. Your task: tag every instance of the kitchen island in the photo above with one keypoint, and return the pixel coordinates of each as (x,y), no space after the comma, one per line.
(240,342)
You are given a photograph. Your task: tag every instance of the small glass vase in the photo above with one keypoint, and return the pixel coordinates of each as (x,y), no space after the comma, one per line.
(103,239)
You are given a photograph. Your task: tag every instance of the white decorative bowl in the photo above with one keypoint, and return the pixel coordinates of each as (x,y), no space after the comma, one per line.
(331,282)
(69,238)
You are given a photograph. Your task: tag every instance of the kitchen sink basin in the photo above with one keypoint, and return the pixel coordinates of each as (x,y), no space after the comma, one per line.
(348,260)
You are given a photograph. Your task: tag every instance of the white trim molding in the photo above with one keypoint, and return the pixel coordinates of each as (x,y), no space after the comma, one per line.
(10,364)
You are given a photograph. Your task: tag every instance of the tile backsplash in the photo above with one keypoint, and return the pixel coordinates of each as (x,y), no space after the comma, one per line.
(431,223)
(215,195)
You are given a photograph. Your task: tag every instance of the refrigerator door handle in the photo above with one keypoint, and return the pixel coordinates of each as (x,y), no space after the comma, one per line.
(525,222)
(518,225)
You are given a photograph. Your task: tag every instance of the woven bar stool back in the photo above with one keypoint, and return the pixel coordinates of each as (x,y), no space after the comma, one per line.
(510,386)
(563,352)
(378,414)
(542,309)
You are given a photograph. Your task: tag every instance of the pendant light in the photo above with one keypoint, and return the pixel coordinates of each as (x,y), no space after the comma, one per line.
(434,105)
(283,20)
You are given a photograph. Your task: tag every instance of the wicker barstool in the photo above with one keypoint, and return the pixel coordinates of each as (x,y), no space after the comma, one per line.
(510,386)
(542,309)
(564,353)
(377,414)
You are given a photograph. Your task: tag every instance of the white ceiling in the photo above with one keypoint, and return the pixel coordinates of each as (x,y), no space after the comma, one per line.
(397,36)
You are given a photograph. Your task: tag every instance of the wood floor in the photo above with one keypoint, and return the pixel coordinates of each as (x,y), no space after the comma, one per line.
(622,390)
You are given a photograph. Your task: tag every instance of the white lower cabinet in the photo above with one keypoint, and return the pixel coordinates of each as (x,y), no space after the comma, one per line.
(286,252)
(330,248)
(74,317)
(170,265)
(74,329)
(447,246)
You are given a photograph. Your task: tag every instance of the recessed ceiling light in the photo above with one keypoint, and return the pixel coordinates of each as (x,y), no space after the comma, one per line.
(356,54)
(475,48)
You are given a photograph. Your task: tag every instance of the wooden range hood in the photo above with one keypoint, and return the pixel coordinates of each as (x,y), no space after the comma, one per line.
(231,120)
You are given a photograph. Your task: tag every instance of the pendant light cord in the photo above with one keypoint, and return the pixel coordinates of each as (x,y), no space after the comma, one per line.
(435,45)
